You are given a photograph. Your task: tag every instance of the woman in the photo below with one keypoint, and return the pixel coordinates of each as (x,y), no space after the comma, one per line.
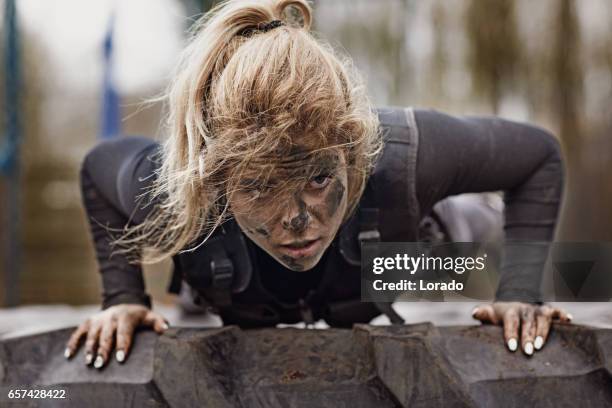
(277,167)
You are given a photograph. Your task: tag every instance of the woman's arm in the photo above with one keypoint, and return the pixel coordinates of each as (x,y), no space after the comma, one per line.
(113,175)
(476,154)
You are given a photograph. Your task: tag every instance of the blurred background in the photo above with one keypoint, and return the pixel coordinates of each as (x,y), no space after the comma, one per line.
(64,63)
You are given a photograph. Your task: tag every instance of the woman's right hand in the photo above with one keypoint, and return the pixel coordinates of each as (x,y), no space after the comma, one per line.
(100,329)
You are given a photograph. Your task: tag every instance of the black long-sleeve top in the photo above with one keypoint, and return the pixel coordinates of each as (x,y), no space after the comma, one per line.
(455,155)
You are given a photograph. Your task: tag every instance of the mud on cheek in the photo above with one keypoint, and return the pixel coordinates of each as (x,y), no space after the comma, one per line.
(256,229)
(334,197)
(263,231)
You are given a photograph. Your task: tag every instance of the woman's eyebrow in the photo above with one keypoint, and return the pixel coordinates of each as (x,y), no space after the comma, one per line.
(282,171)
(254,183)
(250,182)
(326,163)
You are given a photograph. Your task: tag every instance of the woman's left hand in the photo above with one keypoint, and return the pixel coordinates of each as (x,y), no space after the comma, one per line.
(534,322)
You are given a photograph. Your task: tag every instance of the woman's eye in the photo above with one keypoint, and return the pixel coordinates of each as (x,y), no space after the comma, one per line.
(320,181)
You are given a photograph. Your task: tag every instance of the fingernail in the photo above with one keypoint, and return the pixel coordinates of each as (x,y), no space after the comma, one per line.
(570,317)
(88,358)
(99,362)
(474,312)
(512,344)
(528,348)
(165,326)
(539,342)
(67,353)
(120,355)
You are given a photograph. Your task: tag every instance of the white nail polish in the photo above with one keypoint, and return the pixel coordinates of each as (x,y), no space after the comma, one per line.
(539,342)
(67,353)
(528,348)
(512,344)
(570,317)
(99,362)
(120,356)
(165,326)
(88,358)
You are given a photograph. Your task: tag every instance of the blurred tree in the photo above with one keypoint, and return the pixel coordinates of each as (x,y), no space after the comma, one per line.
(494,51)
(567,91)
(439,59)
(379,43)
(195,8)
(208,4)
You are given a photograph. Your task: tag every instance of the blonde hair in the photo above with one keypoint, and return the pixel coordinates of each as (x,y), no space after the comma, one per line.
(238,99)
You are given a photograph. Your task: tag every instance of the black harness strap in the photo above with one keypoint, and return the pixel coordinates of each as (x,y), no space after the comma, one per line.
(222,275)
(368,225)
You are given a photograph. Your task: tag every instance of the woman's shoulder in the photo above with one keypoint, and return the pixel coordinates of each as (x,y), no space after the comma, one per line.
(123,168)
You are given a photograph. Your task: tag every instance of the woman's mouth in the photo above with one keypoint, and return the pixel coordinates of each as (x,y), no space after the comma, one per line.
(301,249)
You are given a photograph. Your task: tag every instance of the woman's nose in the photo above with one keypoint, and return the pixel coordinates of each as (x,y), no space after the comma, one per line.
(297,218)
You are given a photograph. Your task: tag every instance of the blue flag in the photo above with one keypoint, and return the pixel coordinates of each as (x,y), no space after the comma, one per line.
(111,111)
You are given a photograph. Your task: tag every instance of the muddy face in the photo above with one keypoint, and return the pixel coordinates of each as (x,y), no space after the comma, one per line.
(296,227)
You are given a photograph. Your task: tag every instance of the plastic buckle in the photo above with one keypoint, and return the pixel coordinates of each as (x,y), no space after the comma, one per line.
(222,273)
(369,236)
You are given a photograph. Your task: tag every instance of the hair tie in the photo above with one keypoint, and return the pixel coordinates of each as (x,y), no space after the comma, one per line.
(271,25)
(263,27)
